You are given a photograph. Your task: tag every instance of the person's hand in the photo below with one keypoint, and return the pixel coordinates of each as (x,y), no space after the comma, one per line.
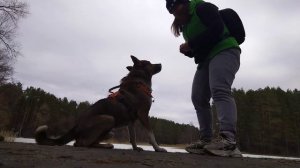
(186,49)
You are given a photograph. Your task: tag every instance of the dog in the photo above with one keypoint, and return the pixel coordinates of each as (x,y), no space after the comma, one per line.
(130,103)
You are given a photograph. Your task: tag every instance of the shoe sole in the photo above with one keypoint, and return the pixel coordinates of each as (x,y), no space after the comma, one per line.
(196,151)
(223,153)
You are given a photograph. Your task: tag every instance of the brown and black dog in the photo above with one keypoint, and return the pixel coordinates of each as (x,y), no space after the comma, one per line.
(130,103)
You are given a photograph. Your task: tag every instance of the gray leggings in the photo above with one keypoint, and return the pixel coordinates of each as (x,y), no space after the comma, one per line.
(214,80)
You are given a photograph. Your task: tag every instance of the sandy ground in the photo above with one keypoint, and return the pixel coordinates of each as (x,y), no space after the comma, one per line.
(35,156)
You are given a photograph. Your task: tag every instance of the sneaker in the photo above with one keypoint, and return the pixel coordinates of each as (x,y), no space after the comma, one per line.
(197,147)
(223,147)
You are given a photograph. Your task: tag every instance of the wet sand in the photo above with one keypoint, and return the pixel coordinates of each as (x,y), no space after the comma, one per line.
(31,155)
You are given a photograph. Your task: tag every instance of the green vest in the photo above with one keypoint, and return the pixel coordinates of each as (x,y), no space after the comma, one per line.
(196,27)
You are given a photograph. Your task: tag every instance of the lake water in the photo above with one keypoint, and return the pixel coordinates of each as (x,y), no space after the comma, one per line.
(169,149)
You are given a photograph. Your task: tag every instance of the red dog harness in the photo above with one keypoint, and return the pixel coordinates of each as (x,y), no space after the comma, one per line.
(140,85)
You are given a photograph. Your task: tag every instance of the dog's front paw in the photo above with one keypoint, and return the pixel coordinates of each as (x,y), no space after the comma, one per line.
(160,150)
(139,149)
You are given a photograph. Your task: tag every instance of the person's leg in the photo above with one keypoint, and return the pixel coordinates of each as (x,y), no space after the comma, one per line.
(201,100)
(201,96)
(222,70)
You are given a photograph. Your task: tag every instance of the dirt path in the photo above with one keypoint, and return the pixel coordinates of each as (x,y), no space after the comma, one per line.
(32,155)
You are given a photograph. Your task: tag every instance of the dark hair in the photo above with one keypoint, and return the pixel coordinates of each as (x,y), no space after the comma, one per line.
(171,3)
(176,28)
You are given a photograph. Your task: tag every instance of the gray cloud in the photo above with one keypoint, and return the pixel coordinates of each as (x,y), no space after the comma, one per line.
(79,49)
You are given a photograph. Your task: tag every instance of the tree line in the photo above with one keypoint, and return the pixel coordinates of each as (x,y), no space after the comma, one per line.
(268,119)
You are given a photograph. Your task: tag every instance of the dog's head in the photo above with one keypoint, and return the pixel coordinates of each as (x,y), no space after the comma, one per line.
(144,65)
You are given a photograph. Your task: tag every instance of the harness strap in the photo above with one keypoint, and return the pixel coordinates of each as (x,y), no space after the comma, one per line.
(113,88)
(140,86)
(114,95)
(120,96)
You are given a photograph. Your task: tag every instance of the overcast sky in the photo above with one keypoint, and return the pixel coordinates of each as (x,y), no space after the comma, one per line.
(79,49)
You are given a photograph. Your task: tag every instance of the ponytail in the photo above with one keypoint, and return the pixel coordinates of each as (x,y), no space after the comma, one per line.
(176,28)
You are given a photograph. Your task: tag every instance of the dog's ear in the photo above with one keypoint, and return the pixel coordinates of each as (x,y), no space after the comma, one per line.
(135,60)
(129,68)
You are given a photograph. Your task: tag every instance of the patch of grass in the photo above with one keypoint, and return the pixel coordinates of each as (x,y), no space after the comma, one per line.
(8,136)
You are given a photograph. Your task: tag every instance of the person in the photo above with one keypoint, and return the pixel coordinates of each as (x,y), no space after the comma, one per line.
(217,54)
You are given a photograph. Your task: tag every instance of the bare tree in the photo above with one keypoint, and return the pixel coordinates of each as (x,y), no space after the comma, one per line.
(11,11)
(5,68)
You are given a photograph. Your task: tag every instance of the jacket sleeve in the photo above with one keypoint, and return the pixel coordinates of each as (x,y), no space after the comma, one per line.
(210,17)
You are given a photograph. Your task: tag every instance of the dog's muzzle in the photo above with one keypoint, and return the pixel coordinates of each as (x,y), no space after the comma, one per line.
(157,68)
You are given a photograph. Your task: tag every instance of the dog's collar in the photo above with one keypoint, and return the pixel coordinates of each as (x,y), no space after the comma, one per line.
(145,88)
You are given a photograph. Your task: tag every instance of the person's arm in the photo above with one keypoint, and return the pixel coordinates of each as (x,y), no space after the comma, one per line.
(209,15)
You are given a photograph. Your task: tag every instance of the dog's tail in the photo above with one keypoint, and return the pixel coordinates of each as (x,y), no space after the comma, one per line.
(42,138)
